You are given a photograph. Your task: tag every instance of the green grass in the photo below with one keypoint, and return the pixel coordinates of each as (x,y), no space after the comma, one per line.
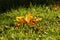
(49,26)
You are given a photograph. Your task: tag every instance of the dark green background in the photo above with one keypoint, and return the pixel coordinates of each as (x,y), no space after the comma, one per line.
(8,4)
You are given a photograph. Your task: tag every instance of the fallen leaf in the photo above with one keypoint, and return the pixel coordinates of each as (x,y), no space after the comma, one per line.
(32,22)
(20,19)
(28,17)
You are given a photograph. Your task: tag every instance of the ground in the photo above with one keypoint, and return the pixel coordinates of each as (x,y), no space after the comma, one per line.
(49,26)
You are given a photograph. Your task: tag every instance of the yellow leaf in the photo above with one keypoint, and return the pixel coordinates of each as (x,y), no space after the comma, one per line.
(20,19)
(28,17)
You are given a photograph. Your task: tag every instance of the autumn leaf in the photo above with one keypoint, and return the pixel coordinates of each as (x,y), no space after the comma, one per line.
(28,17)
(32,22)
(20,19)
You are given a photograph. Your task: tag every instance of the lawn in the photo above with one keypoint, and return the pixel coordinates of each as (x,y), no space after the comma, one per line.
(49,25)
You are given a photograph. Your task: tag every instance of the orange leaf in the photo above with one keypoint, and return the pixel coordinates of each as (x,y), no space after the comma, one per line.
(32,22)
